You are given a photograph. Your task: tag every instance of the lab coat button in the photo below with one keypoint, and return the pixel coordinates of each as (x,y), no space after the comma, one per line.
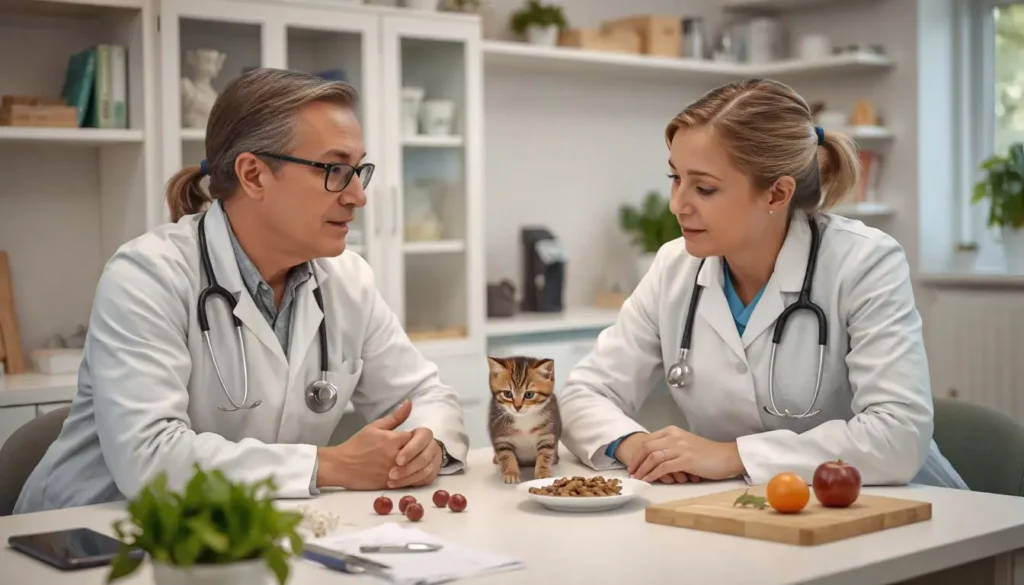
(741,368)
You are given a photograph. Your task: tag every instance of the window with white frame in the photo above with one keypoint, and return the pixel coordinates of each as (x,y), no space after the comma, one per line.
(992,100)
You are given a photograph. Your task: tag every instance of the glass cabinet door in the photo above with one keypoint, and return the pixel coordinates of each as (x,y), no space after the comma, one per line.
(430,80)
(204,45)
(345,49)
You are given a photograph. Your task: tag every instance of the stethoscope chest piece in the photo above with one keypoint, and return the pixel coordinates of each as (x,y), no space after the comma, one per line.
(321,395)
(680,375)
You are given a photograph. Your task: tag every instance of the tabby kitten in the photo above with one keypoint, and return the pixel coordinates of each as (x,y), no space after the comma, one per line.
(524,422)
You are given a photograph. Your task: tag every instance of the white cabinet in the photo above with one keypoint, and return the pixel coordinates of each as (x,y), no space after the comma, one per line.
(421,229)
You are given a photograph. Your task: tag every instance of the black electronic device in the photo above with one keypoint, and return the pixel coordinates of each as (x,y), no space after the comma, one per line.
(68,550)
(543,271)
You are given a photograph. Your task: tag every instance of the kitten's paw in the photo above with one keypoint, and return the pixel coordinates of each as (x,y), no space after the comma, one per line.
(510,477)
(542,472)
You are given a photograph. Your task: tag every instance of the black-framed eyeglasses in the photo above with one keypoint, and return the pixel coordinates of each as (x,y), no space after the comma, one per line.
(337,176)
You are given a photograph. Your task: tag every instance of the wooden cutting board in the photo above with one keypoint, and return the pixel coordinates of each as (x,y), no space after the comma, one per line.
(10,337)
(813,525)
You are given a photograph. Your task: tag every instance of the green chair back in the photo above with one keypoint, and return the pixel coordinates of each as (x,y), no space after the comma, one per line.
(984,445)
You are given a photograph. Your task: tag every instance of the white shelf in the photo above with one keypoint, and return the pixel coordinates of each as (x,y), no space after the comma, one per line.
(193,135)
(775,6)
(80,136)
(434,247)
(427,141)
(867,132)
(523,55)
(35,388)
(571,319)
(863,210)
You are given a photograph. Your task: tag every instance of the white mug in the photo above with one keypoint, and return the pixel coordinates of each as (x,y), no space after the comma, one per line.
(437,117)
(814,46)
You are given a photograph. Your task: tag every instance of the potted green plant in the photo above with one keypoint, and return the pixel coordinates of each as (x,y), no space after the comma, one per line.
(539,22)
(1003,187)
(650,226)
(215,532)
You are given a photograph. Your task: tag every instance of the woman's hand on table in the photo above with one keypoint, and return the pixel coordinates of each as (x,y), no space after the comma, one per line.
(629,453)
(674,452)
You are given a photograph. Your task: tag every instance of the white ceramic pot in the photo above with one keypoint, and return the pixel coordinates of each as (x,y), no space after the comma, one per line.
(412,98)
(421,4)
(437,117)
(542,35)
(253,572)
(643,263)
(1013,248)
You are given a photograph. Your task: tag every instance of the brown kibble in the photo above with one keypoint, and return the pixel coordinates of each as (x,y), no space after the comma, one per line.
(581,487)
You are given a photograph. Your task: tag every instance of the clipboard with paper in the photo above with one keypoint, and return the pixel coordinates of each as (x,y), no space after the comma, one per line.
(442,562)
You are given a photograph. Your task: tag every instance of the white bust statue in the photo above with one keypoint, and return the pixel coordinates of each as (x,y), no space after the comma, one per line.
(197,93)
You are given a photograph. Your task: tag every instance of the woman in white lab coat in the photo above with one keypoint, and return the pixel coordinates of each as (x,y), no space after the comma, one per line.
(748,170)
(286,175)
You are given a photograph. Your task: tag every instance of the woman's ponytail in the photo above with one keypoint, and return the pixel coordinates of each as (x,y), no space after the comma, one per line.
(185,195)
(839,167)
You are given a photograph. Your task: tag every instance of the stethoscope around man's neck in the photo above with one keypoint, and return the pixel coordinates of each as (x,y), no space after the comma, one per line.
(680,375)
(321,395)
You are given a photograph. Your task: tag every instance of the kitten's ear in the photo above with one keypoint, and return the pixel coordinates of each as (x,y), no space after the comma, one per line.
(545,368)
(496,365)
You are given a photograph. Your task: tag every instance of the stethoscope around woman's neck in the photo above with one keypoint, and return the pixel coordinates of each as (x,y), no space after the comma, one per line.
(680,375)
(321,395)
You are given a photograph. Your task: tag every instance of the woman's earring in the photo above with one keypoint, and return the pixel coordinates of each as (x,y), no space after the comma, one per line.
(771,211)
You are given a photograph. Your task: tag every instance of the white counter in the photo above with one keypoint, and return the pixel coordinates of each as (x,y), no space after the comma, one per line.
(619,546)
(30,389)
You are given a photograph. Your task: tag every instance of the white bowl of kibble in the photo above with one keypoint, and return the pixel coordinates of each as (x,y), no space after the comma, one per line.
(582,494)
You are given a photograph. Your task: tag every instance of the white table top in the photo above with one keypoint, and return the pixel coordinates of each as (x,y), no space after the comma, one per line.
(616,546)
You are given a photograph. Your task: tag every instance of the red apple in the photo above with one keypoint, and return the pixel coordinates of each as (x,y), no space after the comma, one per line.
(440,498)
(382,505)
(404,503)
(414,511)
(836,484)
(457,503)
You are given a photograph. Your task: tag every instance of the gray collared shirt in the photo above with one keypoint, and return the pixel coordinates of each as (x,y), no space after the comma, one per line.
(280,319)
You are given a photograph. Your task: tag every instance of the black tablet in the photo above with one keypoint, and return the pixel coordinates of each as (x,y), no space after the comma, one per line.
(76,548)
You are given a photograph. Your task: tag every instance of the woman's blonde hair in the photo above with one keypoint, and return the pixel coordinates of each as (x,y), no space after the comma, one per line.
(254,113)
(769,132)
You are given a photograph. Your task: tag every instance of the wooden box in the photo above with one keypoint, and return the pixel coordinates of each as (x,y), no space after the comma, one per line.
(659,35)
(620,40)
(49,115)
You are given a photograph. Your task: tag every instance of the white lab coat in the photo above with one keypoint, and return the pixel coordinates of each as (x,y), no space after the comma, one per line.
(875,395)
(148,394)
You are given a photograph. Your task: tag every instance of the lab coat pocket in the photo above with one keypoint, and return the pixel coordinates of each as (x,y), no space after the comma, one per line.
(346,378)
(319,426)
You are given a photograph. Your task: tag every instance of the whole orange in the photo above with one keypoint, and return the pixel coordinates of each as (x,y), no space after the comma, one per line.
(787,493)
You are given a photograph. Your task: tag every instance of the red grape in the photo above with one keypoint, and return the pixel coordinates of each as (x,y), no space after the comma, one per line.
(440,498)
(404,503)
(414,512)
(382,505)
(457,503)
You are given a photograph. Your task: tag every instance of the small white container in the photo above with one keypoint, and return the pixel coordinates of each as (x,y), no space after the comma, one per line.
(412,98)
(437,117)
(254,572)
(546,36)
(421,4)
(1013,248)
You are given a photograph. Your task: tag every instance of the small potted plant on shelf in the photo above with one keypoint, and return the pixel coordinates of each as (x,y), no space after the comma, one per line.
(651,225)
(539,23)
(215,532)
(1003,187)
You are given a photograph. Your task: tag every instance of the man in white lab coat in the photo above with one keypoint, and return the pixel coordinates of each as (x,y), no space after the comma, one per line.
(286,174)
